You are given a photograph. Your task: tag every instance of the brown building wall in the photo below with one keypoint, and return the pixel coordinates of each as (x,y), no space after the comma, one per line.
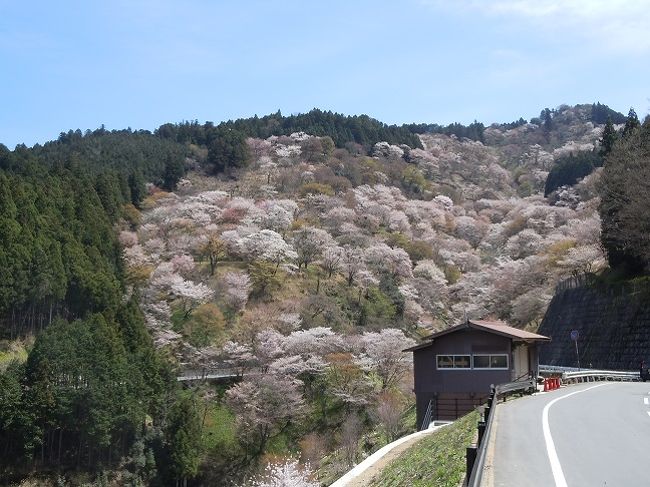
(461,387)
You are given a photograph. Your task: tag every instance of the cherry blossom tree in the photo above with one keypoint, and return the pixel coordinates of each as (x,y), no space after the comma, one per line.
(309,243)
(264,406)
(444,201)
(238,288)
(215,249)
(382,258)
(136,256)
(529,307)
(525,243)
(128,239)
(352,262)
(331,259)
(346,380)
(337,216)
(191,294)
(183,264)
(364,279)
(289,322)
(267,245)
(583,259)
(470,230)
(268,346)
(278,214)
(399,222)
(286,474)
(238,355)
(269,167)
(383,354)
(258,147)
(297,365)
(317,340)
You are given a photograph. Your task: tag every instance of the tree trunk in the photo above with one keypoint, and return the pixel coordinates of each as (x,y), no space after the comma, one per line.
(58,460)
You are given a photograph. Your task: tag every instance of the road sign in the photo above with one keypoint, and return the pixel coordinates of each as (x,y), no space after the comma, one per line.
(574,337)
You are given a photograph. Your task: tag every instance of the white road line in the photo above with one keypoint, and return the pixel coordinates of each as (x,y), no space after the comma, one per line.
(648,413)
(645,401)
(558,475)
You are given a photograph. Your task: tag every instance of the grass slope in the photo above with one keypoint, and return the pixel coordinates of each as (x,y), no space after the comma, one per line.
(437,460)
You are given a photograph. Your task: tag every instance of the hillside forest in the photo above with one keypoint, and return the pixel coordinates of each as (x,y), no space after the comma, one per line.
(300,254)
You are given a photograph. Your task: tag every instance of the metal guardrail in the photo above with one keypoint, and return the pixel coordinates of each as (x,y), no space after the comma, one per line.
(528,385)
(568,374)
(475,472)
(574,374)
(554,369)
(595,375)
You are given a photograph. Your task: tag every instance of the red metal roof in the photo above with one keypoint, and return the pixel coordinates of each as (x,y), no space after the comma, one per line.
(497,327)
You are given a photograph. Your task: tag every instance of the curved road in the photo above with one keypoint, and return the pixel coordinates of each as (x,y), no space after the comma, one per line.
(594,434)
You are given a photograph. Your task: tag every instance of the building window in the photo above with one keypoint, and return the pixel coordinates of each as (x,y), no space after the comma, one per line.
(496,361)
(454,361)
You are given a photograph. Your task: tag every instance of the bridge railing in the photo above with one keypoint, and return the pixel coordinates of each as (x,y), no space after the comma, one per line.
(189,375)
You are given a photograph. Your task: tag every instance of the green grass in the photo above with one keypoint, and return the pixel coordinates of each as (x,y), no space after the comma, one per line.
(438,460)
(10,351)
(219,429)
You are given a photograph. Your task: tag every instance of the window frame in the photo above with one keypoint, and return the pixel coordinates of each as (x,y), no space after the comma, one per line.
(452,356)
(490,355)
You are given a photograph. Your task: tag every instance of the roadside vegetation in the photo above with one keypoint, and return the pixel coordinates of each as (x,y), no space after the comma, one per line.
(438,459)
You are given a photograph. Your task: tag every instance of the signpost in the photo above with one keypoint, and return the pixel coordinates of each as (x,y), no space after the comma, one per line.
(574,337)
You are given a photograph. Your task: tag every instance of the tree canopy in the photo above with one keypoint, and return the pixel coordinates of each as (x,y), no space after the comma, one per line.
(625,192)
(569,169)
(92,377)
(359,129)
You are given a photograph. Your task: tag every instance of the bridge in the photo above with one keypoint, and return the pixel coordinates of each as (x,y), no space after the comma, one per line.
(595,430)
(213,374)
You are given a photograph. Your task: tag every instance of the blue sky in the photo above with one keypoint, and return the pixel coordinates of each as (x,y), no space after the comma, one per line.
(141,63)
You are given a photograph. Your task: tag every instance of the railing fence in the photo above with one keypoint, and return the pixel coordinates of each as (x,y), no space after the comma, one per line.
(476,455)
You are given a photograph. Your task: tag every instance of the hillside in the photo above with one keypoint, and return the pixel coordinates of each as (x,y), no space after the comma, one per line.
(432,226)
(330,247)
(313,259)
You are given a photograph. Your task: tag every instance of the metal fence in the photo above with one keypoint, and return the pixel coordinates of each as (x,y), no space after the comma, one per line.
(476,455)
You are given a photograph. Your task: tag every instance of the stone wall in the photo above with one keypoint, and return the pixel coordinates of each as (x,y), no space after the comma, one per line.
(613,325)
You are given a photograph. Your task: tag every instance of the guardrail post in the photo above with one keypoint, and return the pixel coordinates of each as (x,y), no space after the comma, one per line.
(481,432)
(470,458)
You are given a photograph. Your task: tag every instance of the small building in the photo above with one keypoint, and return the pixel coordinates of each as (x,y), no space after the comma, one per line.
(454,369)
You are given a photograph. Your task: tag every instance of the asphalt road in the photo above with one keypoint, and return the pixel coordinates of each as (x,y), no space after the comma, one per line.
(595,434)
